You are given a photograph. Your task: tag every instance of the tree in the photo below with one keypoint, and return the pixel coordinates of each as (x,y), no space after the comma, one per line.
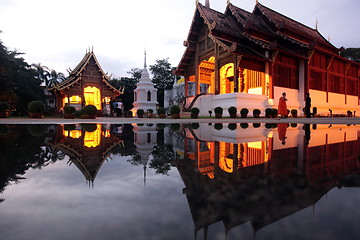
(54,78)
(352,54)
(129,84)
(163,78)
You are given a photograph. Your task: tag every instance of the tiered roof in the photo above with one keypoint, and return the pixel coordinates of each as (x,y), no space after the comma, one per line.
(75,74)
(242,32)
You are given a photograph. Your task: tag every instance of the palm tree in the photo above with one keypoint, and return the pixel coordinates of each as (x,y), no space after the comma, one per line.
(42,72)
(55,78)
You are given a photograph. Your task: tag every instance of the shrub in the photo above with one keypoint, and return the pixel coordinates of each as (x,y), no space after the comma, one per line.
(150,111)
(89,127)
(175,127)
(244,111)
(174,109)
(69,127)
(160,110)
(36,107)
(244,125)
(160,126)
(232,110)
(218,110)
(293,111)
(218,126)
(232,126)
(195,125)
(78,113)
(89,110)
(256,125)
(140,112)
(256,111)
(4,106)
(274,112)
(69,109)
(195,110)
(268,111)
(37,130)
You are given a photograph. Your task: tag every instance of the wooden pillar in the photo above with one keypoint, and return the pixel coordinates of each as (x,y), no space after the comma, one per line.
(217,70)
(236,73)
(186,86)
(197,72)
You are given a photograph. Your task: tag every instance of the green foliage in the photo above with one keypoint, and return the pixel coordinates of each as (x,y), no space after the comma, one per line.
(69,109)
(195,125)
(268,111)
(256,111)
(244,125)
(160,110)
(244,111)
(218,110)
(89,110)
(69,127)
(4,106)
(293,111)
(150,111)
(232,126)
(232,110)
(195,110)
(140,112)
(174,109)
(274,112)
(89,127)
(256,125)
(352,54)
(175,127)
(78,113)
(218,126)
(36,130)
(162,75)
(36,107)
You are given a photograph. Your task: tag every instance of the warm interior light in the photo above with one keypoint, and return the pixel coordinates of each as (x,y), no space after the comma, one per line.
(226,163)
(93,139)
(92,97)
(207,74)
(75,99)
(227,78)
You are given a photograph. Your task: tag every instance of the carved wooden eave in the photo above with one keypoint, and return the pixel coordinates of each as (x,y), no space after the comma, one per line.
(262,43)
(236,48)
(293,40)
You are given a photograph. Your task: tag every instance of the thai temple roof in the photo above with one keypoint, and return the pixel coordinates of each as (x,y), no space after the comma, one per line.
(242,32)
(75,74)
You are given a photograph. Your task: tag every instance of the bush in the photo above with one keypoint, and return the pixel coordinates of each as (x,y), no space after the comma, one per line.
(4,106)
(232,110)
(89,110)
(78,113)
(256,112)
(160,110)
(69,127)
(150,111)
(175,127)
(232,126)
(195,125)
(174,109)
(218,126)
(293,111)
(195,110)
(244,125)
(256,125)
(89,127)
(268,111)
(274,112)
(244,111)
(69,109)
(140,112)
(218,110)
(36,107)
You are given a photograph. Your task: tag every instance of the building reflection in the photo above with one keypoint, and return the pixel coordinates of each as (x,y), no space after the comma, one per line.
(252,174)
(88,145)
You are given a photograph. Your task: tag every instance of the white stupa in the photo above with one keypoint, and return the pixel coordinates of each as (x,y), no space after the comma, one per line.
(145,95)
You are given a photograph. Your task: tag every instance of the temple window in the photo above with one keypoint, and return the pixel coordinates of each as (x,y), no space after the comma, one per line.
(148,96)
(75,99)
(227,78)
(207,75)
(92,139)
(92,97)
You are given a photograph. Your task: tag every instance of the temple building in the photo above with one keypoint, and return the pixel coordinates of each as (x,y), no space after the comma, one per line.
(247,59)
(86,84)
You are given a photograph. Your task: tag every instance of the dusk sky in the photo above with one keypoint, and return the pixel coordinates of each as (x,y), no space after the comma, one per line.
(57,33)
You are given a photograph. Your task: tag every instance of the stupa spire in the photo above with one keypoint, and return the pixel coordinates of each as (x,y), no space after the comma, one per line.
(145,58)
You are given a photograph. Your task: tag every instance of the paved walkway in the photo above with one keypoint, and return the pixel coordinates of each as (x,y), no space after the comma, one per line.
(108,120)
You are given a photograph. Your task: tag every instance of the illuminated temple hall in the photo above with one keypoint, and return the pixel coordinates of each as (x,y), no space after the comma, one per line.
(251,174)
(247,59)
(86,84)
(87,146)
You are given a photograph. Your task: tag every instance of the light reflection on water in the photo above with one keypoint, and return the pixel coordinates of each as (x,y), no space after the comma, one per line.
(238,181)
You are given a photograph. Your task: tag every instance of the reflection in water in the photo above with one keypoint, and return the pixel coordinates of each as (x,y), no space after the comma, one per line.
(233,173)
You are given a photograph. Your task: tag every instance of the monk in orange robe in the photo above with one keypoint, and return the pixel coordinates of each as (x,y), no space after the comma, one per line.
(282,132)
(282,108)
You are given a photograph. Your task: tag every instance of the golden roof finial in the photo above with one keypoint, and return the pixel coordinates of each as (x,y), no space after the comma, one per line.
(316,27)
(257,1)
(197,2)
(228,2)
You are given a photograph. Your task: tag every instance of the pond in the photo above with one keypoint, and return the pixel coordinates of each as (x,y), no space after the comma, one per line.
(179,181)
